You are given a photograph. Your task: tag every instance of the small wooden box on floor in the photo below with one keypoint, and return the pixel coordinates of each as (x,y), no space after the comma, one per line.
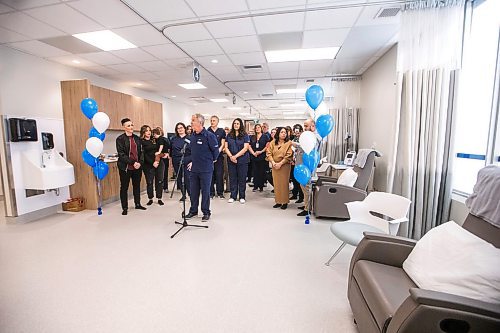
(76,127)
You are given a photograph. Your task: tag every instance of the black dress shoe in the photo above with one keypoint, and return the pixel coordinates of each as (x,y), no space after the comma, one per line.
(191,215)
(124,212)
(284,206)
(277,206)
(140,207)
(205,218)
(299,201)
(160,202)
(149,203)
(302,213)
(301,207)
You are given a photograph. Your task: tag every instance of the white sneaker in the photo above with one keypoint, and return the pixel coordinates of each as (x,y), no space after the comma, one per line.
(242,201)
(231,200)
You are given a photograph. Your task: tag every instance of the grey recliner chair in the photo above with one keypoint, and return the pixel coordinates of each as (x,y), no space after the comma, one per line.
(384,299)
(330,198)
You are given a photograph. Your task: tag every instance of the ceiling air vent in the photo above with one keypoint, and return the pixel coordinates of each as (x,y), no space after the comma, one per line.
(199,99)
(388,12)
(246,69)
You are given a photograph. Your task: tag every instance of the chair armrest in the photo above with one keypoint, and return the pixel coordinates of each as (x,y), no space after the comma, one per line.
(450,301)
(382,249)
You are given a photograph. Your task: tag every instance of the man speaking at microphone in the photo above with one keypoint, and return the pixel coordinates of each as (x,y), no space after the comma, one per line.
(204,152)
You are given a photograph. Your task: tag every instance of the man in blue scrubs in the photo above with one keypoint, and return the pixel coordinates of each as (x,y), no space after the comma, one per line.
(204,153)
(218,175)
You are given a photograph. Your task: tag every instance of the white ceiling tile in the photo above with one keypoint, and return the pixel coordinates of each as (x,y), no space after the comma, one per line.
(28,26)
(325,38)
(64,18)
(134,55)
(102,58)
(38,48)
(217,7)
(68,61)
(165,51)
(231,28)
(201,48)
(265,4)
(330,19)
(240,44)
(109,13)
(279,23)
(5,9)
(25,4)
(141,35)
(7,36)
(252,58)
(187,33)
(127,68)
(159,11)
(154,65)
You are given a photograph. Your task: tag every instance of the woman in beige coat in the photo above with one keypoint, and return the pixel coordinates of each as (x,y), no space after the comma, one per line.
(279,154)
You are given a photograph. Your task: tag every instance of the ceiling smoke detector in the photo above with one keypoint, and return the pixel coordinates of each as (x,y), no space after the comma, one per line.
(387,12)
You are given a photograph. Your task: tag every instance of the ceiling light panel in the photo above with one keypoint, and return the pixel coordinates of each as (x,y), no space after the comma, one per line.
(106,40)
(301,54)
(192,86)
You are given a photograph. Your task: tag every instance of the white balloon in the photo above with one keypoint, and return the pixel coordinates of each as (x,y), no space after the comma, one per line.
(100,121)
(322,109)
(307,141)
(94,146)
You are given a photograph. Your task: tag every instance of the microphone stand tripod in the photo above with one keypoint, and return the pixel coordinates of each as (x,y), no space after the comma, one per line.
(183,192)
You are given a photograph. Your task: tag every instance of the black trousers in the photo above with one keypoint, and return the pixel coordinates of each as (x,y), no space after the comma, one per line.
(125,177)
(259,173)
(154,176)
(166,162)
(237,179)
(218,177)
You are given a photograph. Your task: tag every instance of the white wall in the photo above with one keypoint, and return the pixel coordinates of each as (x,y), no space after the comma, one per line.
(378,113)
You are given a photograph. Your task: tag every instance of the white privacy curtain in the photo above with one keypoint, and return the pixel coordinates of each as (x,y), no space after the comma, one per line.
(429,54)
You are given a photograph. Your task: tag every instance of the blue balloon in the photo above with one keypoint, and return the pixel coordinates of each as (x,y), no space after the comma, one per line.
(302,174)
(314,96)
(311,160)
(101,170)
(95,133)
(324,125)
(89,107)
(89,159)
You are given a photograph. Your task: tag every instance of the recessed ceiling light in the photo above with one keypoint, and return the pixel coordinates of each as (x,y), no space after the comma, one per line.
(105,40)
(234,108)
(192,86)
(218,100)
(291,91)
(214,61)
(75,61)
(319,53)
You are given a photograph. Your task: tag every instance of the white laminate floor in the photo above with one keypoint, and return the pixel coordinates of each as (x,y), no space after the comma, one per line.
(256,269)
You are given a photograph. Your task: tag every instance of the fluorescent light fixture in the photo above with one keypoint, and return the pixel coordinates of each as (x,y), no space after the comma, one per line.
(319,53)
(218,100)
(234,108)
(106,40)
(214,61)
(191,86)
(291,91)
(75,61)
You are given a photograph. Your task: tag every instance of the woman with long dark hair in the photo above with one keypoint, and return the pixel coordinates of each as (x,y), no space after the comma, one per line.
(279,155)
(177,144)
(257,148)
(236,147)
(151,164)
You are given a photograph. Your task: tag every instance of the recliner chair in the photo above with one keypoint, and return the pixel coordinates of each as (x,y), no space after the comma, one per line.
(330,198)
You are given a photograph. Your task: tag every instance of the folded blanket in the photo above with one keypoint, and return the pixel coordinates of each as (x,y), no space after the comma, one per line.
(483,202)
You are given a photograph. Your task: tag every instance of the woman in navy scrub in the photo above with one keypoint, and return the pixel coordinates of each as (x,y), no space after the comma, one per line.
(236,147)
(181,141)
(257,148)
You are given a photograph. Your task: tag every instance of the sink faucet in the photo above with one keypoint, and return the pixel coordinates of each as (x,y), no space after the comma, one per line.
(46,154)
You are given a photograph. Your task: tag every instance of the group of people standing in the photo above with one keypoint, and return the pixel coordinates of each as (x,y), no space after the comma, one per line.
(202,157)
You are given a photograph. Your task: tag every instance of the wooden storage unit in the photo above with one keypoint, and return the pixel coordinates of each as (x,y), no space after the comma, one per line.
(76,127)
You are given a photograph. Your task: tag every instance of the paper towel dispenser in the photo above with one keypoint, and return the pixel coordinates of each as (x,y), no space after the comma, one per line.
(22,129)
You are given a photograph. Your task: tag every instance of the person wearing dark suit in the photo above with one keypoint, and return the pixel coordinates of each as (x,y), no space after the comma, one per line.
(130,161)
(204,153)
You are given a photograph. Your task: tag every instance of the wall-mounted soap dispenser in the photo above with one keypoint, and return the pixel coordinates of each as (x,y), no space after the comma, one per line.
(47,141)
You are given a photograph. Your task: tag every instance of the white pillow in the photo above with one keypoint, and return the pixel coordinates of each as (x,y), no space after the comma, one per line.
(450,259)
(348,177)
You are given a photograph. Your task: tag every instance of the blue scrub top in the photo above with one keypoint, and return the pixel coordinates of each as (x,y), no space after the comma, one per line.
(204,151)
(236,144)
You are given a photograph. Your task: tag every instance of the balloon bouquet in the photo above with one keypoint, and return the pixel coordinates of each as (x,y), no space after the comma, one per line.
(308,140)
(93,147)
